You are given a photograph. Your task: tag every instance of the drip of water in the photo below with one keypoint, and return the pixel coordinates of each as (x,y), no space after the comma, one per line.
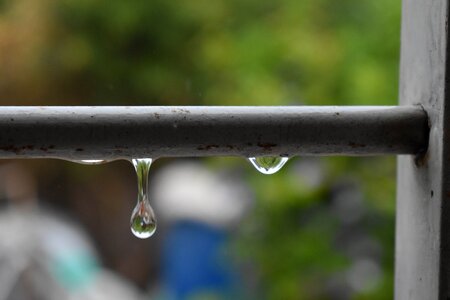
(143,221)
(268,164)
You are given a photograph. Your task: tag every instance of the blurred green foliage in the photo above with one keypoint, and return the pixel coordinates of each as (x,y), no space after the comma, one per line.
(245,52)
(228,52)
(295,235)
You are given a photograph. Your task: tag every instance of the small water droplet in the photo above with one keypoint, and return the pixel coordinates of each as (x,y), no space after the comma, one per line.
(268,164)
(91,161)
(143,221)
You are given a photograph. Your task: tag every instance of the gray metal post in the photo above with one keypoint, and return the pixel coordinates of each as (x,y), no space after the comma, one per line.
(423,188)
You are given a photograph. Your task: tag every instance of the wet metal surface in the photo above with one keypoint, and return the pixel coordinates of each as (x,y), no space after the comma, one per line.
(123,132)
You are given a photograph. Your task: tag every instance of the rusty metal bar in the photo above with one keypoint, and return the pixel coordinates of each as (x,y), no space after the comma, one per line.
(124,132)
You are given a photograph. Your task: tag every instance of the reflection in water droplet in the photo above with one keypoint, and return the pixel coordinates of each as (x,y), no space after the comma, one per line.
(143,221)
(268,164)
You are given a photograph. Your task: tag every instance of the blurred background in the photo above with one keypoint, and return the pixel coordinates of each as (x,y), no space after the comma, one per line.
(318,229)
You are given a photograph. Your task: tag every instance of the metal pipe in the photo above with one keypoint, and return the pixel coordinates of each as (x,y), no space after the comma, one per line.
(124,132)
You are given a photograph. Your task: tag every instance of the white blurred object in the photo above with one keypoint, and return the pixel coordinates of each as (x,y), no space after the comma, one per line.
(309,170)
(106,286)
(43,255)
(190,191)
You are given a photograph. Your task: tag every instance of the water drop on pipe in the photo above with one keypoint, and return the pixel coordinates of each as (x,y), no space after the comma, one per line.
(143,221)
(91,161)
(268,164)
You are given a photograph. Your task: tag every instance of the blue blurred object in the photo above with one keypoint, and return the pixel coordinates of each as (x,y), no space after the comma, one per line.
(194,262)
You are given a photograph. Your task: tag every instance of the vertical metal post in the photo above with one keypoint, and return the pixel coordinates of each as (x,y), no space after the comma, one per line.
(423,188)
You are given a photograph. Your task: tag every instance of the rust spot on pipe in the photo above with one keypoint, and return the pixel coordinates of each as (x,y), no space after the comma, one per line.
(46,148)
(10,148)
(421,159)
(267,146)
(181,110)
(356,145)
(207,147)
(16,149)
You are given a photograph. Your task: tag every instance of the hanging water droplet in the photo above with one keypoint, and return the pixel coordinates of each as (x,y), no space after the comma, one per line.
(268,164)
(143,221)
